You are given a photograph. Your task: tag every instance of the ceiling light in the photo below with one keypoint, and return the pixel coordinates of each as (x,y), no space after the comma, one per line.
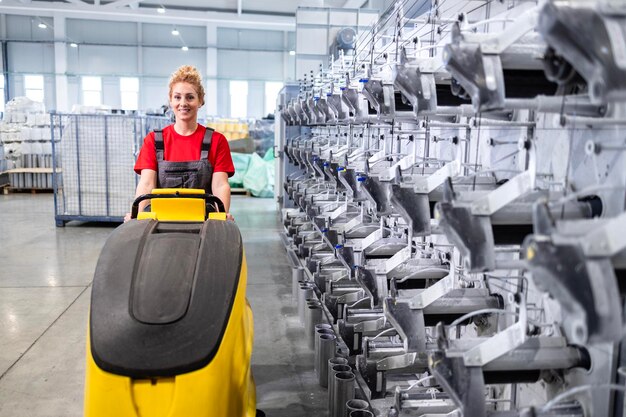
(292,53)
(42,25)
(184,48)
(73,44)
(175,32)
(160,10)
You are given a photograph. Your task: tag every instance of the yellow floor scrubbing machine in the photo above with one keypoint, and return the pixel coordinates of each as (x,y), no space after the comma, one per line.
(170,329)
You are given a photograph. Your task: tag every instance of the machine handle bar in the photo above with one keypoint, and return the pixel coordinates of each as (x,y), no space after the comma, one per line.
(209,198)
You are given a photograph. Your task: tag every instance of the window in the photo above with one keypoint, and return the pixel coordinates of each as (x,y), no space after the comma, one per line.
(92,91)
(272,88)
(129,89)
(1,92)
(33,87)
(239,99)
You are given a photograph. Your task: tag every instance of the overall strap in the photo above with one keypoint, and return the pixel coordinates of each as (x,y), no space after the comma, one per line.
(158,144)
(206,143)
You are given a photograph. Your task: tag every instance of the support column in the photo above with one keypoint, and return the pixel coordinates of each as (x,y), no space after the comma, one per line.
(60,64)
(285,55)
(210,97)
(141,101)
(4,57)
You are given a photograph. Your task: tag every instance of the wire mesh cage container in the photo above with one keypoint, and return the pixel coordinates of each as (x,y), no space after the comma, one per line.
(94,155)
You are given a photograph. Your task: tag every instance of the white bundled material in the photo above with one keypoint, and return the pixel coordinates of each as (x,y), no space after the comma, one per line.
(9,134)
(36,133)
(26,133)
(38,119)
(17,117)
(22,110)
(97,160)
(13,150)
(26,129)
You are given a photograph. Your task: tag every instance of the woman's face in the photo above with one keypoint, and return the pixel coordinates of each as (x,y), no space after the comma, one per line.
(185,102)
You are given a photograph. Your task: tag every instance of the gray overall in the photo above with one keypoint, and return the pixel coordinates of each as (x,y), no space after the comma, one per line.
(187,174)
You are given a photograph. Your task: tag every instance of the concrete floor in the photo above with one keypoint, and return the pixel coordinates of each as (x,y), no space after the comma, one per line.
(45,282)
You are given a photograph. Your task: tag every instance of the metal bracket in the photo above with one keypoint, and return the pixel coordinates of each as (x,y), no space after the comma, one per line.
(351,224)
(378,193)
(511,190)
(368,241)
(408,322)
(607,240)
(434,292)
(403,164)
(399,258)
(396,362)
(352,297)
(501,343)
(430,183)
(413,208)
(338,212)
(378,156)
(513,32)
(370,325)
(465,385)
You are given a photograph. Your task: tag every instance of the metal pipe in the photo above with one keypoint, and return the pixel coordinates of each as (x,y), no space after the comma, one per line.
(445,125)
(549,104)
(591,121)
(305,291)
(503,123)
(343,390)
(356,405)
(327,348)
(462,110)
(360,413)
(312,316)
(333,369)
(297,275)
(322,328)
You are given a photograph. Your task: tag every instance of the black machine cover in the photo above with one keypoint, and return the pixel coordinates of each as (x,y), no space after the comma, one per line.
(162,296)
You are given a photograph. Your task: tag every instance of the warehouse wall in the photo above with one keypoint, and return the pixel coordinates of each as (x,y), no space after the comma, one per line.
(150,52)
(253,55)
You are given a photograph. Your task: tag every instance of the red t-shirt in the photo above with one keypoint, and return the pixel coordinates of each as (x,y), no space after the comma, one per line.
(179,148)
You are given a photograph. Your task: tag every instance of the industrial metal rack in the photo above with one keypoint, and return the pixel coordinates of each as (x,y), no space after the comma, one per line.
(454,208)
(93,178)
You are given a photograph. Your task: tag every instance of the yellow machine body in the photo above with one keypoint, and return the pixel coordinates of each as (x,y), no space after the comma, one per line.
(223,388)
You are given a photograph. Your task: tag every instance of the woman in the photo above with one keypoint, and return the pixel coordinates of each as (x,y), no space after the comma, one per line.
(185,154)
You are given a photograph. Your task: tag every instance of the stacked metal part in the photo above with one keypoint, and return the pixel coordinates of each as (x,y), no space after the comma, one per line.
(459,198)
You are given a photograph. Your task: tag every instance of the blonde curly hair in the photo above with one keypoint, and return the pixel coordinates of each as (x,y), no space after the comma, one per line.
(188,74)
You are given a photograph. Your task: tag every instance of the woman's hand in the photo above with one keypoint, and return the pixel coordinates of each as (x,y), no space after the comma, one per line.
(126,217)
(229,217)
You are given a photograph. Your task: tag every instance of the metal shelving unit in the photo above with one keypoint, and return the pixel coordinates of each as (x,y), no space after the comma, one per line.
(92,175)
